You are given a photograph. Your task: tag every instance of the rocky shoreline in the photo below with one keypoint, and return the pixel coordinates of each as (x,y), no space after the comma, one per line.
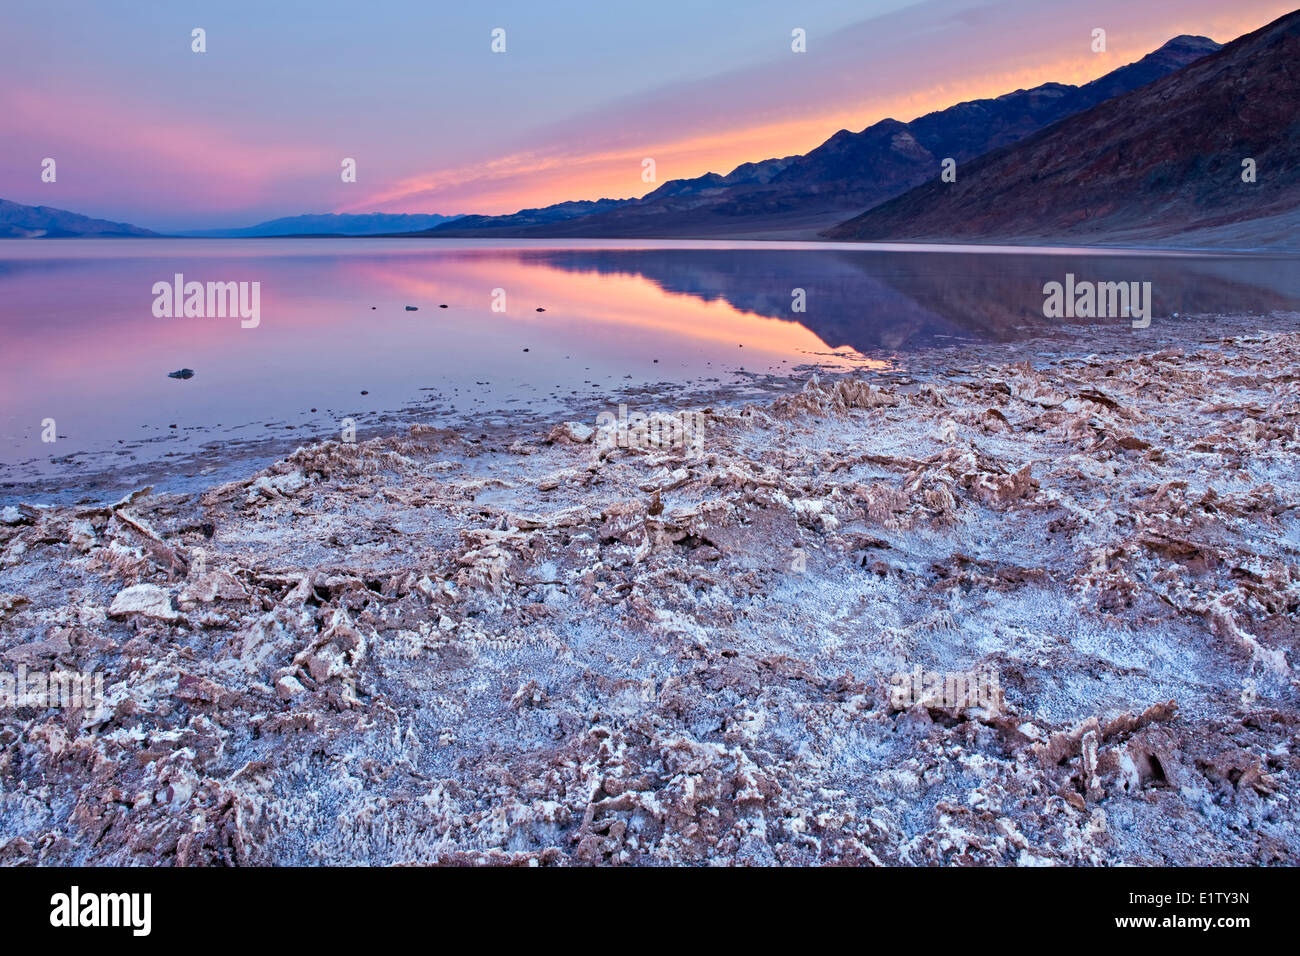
(552,648)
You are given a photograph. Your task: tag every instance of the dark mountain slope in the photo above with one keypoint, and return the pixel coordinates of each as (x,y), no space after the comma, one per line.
(1162,162)
(847,173)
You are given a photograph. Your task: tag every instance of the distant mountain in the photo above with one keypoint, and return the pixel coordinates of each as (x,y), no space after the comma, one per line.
(330,224)
(526,218)
(799,195)
(1162,163)
(45,222)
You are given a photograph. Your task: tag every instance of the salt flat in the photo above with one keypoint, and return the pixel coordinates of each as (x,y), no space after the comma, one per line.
(544,648)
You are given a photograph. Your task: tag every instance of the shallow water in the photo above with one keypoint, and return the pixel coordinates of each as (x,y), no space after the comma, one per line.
(82,345)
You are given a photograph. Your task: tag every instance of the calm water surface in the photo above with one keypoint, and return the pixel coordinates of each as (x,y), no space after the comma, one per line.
(82,346)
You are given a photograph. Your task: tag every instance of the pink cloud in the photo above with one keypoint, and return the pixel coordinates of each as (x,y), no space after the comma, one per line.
(115,151)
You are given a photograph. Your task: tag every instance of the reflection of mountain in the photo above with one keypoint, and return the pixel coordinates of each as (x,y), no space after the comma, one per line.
(880,300)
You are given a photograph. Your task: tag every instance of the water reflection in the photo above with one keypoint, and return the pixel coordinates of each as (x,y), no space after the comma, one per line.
(82,347)
(895,300)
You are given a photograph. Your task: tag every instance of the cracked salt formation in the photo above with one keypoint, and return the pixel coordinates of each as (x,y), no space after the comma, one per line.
(428,649)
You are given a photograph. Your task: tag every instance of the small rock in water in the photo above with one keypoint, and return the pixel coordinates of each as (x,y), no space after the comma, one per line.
(364,392)
(181,373)
(412,308)
(540,309)
(525,350)
(443,306)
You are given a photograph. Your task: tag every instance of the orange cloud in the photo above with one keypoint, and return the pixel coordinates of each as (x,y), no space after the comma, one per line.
(604,166)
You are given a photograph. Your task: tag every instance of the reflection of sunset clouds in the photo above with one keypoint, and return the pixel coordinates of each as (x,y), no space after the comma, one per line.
(83,346)
(604,304)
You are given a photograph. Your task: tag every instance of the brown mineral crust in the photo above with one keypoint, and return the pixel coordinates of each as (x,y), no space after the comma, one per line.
(423,649)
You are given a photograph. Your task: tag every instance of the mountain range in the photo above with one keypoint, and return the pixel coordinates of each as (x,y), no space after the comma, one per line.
(1194,144)
(45,222)
(331,224)
(797,196)
(1169,161)
(526,218)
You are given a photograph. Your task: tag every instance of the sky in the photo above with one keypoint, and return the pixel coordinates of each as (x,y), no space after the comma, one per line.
(144,130)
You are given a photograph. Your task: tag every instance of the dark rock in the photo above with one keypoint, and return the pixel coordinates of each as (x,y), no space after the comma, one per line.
(181,373)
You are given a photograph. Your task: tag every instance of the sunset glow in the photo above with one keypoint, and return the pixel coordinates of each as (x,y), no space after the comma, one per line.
(449,128)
